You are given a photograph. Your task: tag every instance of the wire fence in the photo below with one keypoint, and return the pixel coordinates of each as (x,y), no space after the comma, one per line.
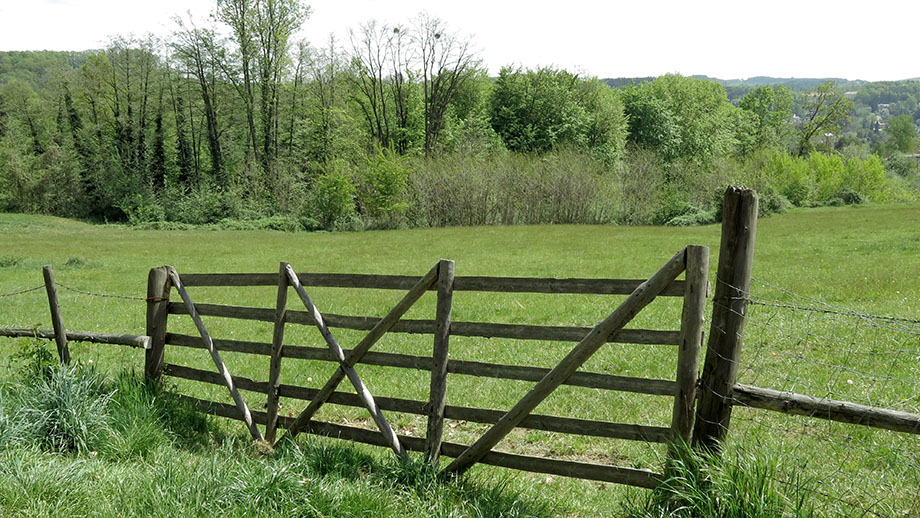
(801,344)
(83,309)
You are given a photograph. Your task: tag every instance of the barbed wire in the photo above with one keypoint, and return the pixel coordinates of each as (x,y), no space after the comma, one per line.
(796,307)
(807,333)
(819,306)
(20,292)
(102,295)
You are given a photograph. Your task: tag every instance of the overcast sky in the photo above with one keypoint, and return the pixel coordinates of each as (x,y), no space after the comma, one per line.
(607,38)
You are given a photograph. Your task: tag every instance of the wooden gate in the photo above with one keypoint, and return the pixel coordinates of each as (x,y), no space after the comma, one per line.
(693,260)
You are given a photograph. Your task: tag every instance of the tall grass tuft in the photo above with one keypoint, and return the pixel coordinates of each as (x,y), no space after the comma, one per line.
(67,410)
(706,485)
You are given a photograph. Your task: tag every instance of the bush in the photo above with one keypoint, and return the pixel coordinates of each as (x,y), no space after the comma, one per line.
(383,189)
(72,409)
(199,206)
(901,165)
(142,208)
(513,189)
(280,223)
(771,202)
(332,199)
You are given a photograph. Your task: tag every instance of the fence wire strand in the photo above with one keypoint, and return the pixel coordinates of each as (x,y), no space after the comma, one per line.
(801,344)
(21,292)
(101,295)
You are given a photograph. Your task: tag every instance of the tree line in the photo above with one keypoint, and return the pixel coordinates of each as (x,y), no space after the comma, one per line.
(235,121)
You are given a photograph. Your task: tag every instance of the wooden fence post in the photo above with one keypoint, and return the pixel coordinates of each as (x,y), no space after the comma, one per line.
(158,286)
(726,333)
(274,373)
(438,393)
(691,339)
(60,334)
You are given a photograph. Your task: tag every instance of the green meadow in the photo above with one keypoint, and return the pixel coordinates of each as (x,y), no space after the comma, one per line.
(840,261)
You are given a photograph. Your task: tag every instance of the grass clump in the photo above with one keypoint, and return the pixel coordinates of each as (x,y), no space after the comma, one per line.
(76,443)
(76,262)
(707,485)
(10,261)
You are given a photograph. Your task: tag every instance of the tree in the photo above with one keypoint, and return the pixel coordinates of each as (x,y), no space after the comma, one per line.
(447,62)
(198,51)
(275,22)
(537,110)
(237,14)
(772,110)
(826,110)
(902,135)
(605,131)
(680,118)
(370,51)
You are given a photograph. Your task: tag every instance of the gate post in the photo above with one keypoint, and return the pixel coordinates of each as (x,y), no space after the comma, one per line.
(438,392)
(158,287)
(60,333)
(726,333)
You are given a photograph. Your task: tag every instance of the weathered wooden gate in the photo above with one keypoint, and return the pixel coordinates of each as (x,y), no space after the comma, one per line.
(693,260)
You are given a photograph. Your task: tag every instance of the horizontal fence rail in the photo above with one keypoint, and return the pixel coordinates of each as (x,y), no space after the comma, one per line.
(486,370)
(583,470)
(461,283)
(547,423)
(142,342)
(822,408)
(468,329)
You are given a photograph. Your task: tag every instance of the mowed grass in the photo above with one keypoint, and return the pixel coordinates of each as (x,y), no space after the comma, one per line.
(863,259)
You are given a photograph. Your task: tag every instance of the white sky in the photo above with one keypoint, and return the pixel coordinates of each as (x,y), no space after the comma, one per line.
(607,38)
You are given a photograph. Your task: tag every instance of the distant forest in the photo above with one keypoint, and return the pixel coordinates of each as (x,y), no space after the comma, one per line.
(232,123)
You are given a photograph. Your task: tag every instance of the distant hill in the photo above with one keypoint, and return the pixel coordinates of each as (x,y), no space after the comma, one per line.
(737,88)
(37,67)
(794,83)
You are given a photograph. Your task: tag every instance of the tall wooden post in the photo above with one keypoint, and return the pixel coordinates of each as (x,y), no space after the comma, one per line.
(691,340)
(726,333)
(438,393)
(158,286)
(274,372)
(60,334)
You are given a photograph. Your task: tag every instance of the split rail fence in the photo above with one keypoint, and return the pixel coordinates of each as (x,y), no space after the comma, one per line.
(686,340)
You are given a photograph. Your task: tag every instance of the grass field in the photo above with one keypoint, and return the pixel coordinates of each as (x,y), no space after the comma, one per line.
(863,259)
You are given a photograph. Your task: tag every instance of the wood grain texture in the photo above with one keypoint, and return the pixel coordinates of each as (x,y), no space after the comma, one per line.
(142,342)
(158,290)
(833,410)
(595,380)
(461,283)
(691,340)
(438,387)
(584,427)
(243,409)
(274,368)
(726,331)
(469,329)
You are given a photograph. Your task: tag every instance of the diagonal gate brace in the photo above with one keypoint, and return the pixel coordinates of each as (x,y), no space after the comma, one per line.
(346,364)
(209,345)
(640,297)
